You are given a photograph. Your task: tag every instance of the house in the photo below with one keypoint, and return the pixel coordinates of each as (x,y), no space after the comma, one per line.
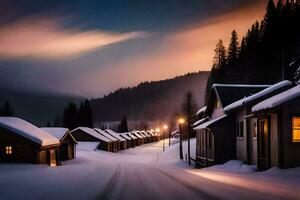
(130,141)
(216,142)
(201,112)
(278,130)
(139,137)
(122,141)
(21,141)
(146,135)
(137,141)
(85,134)
(246,122)
(151,135)
(115,141)
(67,147)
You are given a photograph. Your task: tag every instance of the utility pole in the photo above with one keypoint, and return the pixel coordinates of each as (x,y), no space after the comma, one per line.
(169,137)
(282,62)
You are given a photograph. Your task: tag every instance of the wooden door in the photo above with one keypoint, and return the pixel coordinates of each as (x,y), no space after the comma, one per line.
(263,144)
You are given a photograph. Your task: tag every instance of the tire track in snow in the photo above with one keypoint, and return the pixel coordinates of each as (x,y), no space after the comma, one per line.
(107,191)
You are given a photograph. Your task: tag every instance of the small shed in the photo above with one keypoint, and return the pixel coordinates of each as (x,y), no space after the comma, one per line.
(67,147)
(122,141)
(115,142)
(85,134)
(130,141)
(140,138)
(21,141)
(136,140)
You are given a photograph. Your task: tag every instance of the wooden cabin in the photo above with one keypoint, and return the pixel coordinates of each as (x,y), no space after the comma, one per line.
(246,123)
(278,130)
(152,135)
(67,147)
(137,141)
(85,134)
(216,142)
(115,142)
(147,138)
(21,141)
(139,137)
(130,141)
(122,141)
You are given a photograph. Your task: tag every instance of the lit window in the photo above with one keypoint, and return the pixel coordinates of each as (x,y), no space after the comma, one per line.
(296,129)
(8,150)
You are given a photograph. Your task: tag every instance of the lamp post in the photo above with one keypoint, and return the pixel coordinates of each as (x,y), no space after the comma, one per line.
(180,122)
(157,131)
(164,129)
(169,137)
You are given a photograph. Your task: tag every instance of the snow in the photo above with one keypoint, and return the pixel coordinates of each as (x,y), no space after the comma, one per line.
(233,166)
(57,132)
(105,134)
(204,125)
(116,135)
(258,95)
(135,133)
(28,130)
(201,110)
(278,99)
(92,133)
(125,136)
(87,146)
(237,85)
(131,135)
(144,172)
(150,133)
(200,121)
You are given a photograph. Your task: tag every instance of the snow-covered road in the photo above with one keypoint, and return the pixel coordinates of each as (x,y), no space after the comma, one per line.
(144,172)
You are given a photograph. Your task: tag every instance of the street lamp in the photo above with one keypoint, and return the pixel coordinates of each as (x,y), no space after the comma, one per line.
(165,127)
(180,122)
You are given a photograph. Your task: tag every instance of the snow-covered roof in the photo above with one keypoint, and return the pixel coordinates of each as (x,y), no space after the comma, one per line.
(58,132)
(28,130)
(132,136)
(237,85)
(93,133)
(116,135)
(201,110)
(105,134)
(136,133)
(204,125)
(175,132)
(125,136)
(151,133)
(278,99)
(146,133)
(257,95)
(200,121)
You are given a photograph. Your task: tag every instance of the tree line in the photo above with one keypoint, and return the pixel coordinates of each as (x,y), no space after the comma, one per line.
(74,117)
(262,55)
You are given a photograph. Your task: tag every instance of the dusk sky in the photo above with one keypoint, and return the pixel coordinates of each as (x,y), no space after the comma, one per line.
(89,48)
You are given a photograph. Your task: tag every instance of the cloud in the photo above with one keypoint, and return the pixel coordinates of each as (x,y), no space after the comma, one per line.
(45,37)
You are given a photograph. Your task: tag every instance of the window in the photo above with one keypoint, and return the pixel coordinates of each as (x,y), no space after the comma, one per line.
(8,150)
(240,129)
(296,129)
(217,104)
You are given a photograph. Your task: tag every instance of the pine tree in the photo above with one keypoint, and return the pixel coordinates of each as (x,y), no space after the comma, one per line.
(88,115)
(233,49)
(220,56)
(6,110)
(123,126)
(70,116)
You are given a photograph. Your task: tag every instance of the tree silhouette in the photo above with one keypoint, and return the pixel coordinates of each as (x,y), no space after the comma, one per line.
(6,110)
(123,126)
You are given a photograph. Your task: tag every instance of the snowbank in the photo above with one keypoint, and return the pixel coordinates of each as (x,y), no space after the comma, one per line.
(232,166)
(87,146)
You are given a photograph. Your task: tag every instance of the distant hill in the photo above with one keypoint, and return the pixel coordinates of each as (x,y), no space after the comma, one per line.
(36,108)
(150,101)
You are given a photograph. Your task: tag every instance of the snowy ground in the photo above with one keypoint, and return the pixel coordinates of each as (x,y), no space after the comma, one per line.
(144,172)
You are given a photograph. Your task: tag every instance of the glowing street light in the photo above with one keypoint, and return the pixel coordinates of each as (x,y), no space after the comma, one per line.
(165,127)
(180,122)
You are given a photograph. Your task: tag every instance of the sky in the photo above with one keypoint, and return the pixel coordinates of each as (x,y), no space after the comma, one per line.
(89,48)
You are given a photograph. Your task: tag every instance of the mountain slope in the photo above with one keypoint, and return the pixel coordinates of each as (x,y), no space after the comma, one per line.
(150,100)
